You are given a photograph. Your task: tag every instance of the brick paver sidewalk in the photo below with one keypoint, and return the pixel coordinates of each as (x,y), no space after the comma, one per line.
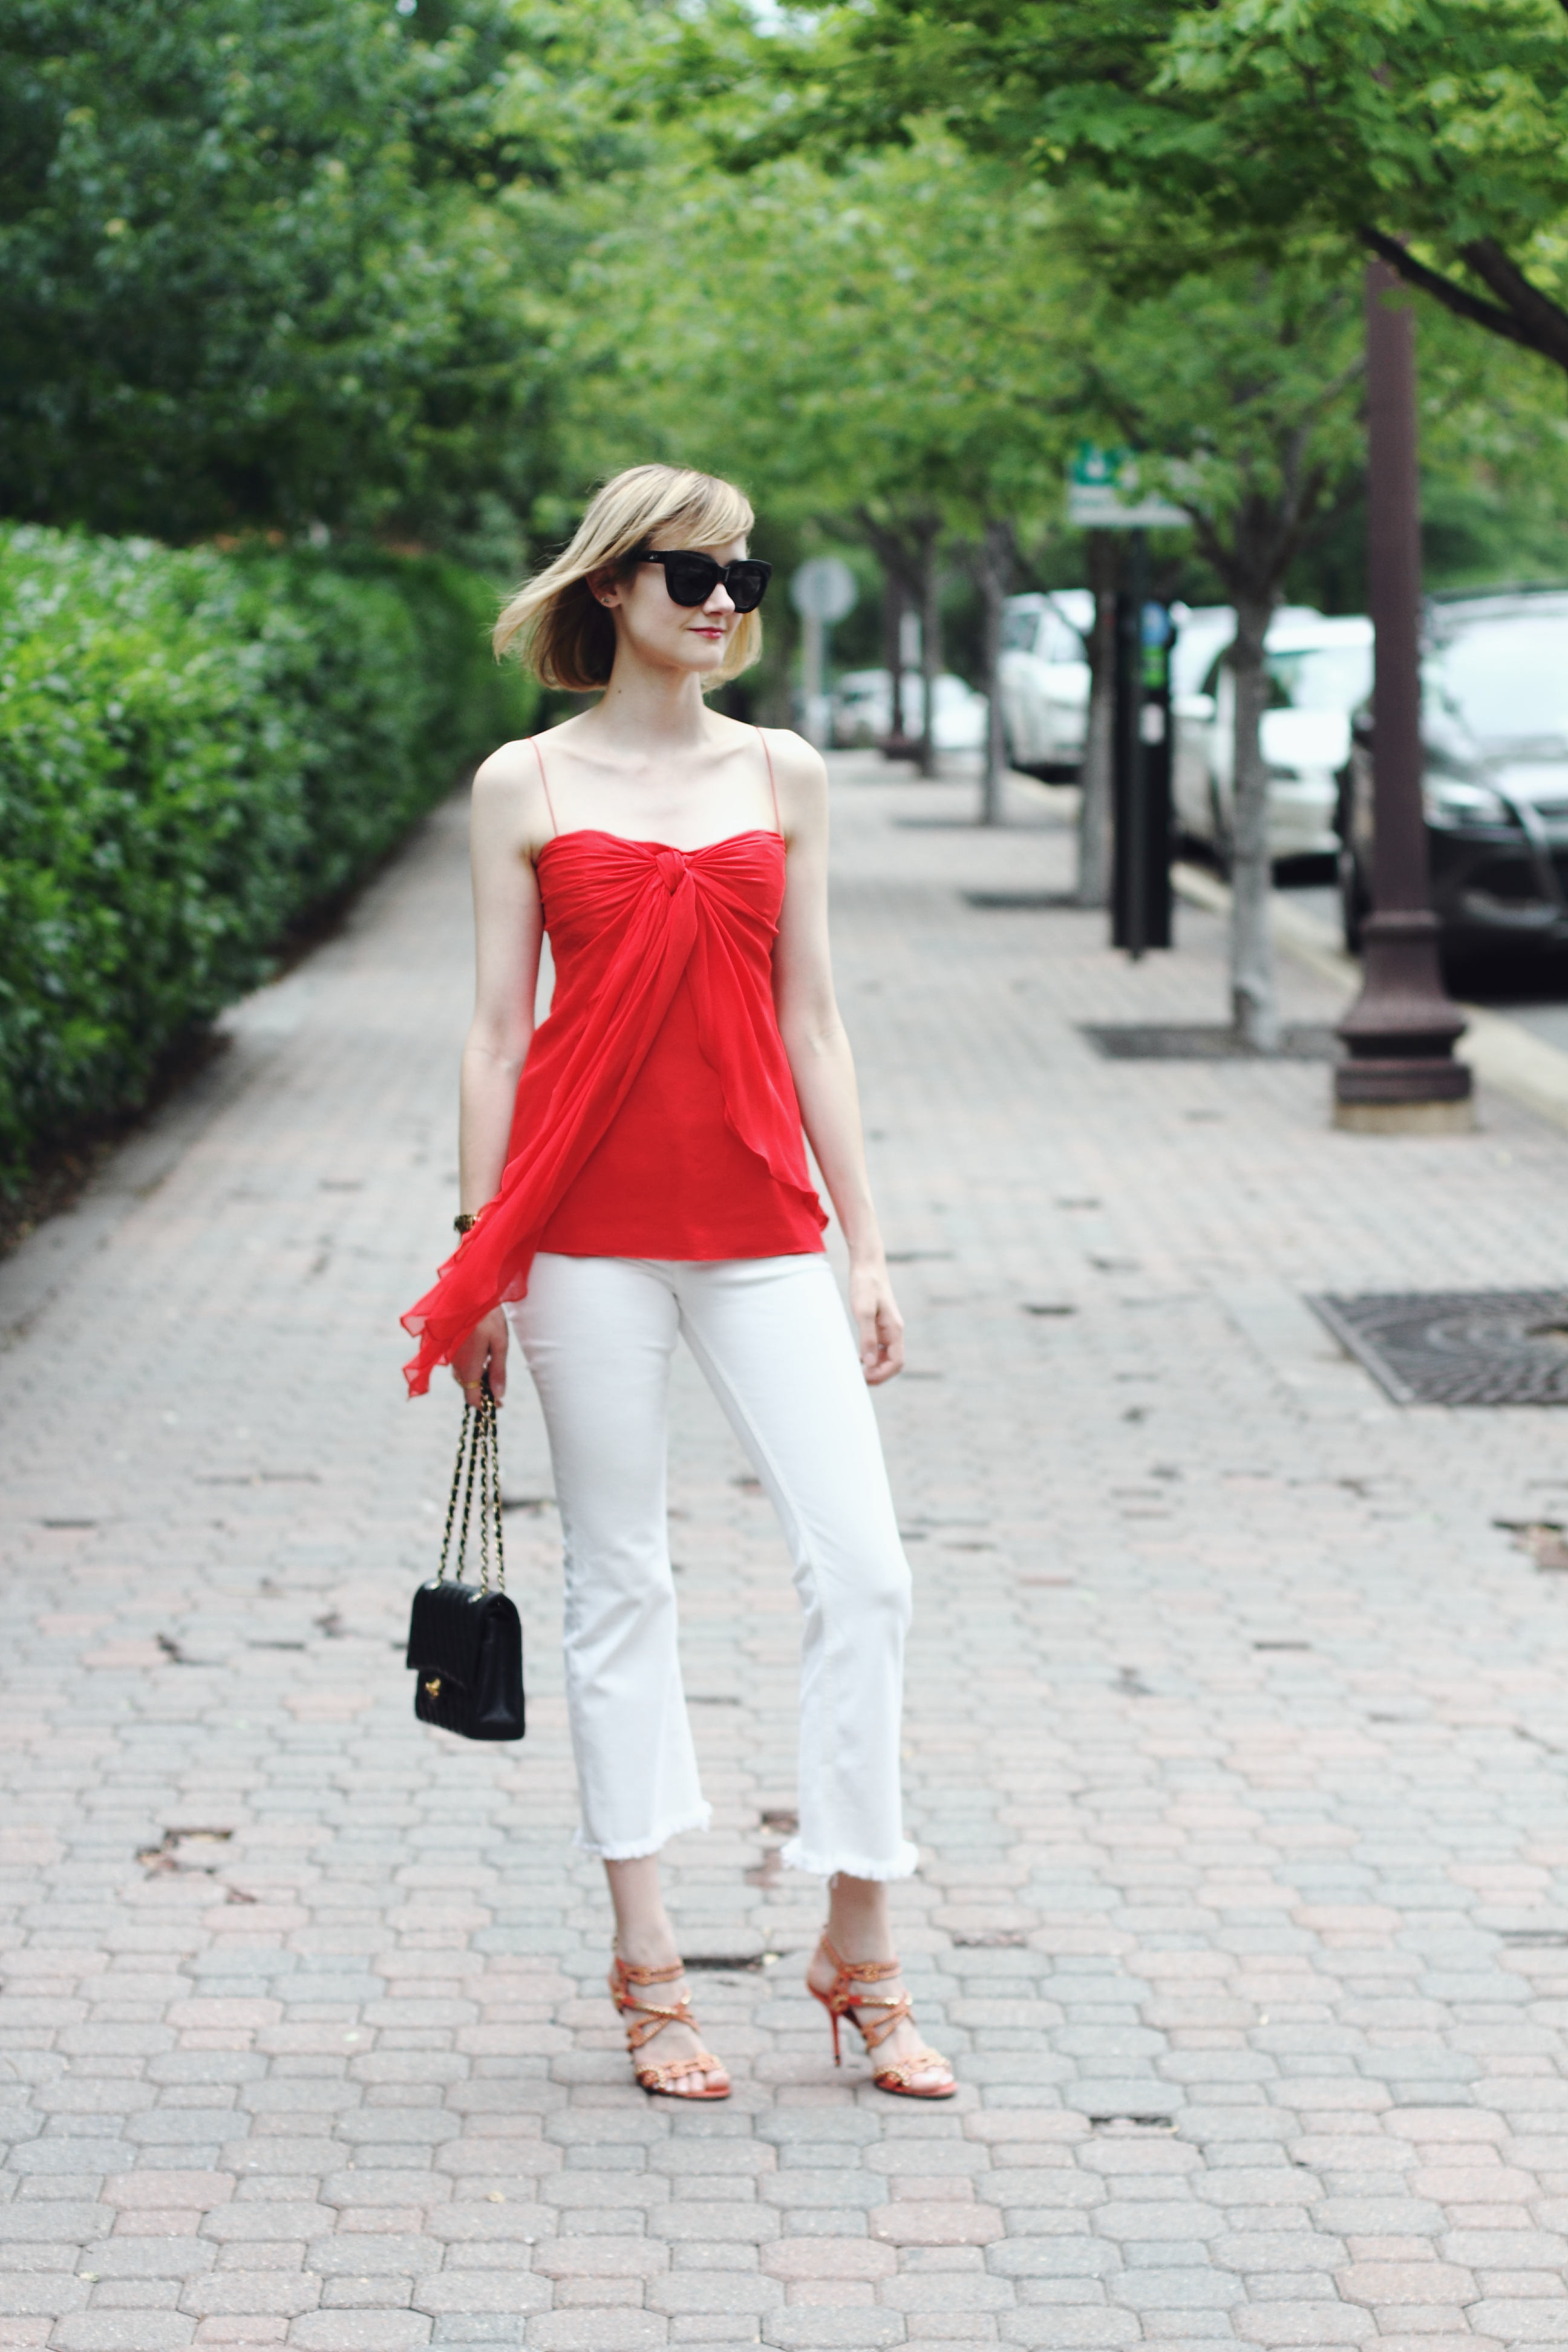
(1236,1742)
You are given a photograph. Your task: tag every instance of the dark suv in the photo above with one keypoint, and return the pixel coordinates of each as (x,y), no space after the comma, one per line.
(1494,730)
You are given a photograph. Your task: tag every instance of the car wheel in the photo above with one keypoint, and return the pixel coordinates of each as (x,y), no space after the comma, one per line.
(1352,901)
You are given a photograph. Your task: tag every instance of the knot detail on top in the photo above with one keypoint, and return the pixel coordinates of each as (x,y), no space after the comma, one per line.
(635,925)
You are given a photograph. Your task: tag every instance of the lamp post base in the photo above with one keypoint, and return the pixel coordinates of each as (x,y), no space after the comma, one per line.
(1399,1076)
(1456,1117)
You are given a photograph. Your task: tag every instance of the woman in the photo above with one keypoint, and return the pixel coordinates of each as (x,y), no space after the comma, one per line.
(637,1167)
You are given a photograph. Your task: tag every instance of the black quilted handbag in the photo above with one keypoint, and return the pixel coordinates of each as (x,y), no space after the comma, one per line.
(465,1641)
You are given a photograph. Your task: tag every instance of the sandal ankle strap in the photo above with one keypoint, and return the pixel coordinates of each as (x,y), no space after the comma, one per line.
(863,1972)
(648,1976)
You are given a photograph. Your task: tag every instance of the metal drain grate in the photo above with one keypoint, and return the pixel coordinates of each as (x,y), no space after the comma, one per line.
(1457,1347)
(1200,1042)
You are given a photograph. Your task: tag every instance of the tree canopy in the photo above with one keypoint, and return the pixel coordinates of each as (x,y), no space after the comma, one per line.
(1435,131)
(268,264)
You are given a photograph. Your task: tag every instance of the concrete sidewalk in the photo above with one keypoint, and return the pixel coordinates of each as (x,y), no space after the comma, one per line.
(1236,1737)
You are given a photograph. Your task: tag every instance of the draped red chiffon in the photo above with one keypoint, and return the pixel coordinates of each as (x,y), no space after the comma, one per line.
(634,927)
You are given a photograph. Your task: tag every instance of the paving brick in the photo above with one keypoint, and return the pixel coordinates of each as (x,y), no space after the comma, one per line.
(1406,2283)
(947,2292)
(472,2290)
(927,2222)
(583,2331)
(123,2331)
(1294,2320)
(827,2259)
(600,2258)
(949,2328)
(359,2331)
(823,2328)
(1069,2328)
(736,2292)
(234,2331)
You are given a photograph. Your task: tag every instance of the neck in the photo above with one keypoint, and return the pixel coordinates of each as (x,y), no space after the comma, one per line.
(651,710)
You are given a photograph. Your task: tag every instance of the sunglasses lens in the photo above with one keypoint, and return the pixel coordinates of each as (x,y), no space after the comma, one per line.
(747,582)
(692,579)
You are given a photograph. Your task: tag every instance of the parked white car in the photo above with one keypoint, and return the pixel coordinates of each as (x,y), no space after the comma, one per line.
(863,710)
(1320,672)
(1044,678)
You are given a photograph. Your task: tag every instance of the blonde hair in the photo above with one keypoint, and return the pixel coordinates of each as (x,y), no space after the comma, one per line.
(568,638)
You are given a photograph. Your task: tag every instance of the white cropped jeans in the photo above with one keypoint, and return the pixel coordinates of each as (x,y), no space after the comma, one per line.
(775,1346)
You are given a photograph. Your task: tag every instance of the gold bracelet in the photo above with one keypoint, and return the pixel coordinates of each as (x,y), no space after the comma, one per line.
(464,1222)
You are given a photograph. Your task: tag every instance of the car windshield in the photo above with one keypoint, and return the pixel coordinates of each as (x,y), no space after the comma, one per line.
(1323,677)
(1018,632)
(1507,680)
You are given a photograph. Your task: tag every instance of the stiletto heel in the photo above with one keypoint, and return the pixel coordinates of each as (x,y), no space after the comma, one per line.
(841,2000)
(661,2080)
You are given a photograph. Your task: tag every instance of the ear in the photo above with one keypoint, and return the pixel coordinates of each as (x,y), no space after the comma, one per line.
(604,588)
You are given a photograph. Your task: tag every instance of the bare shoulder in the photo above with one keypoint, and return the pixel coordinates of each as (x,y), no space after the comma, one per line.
(508,767)
(508,797)
(801,776)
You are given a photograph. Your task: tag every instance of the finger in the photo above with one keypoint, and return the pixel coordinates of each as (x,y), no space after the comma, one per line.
(497,1365)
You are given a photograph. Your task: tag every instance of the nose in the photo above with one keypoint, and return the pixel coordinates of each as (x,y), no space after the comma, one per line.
(720,601)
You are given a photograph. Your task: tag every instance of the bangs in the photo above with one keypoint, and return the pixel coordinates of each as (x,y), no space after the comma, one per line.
(714,512)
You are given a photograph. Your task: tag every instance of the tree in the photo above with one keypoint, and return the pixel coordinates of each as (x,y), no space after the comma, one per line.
(1418,122)
(1239,382)
(264,264)
(1433,132)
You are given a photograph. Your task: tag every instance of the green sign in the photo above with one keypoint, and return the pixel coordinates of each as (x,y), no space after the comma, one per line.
(1102,493)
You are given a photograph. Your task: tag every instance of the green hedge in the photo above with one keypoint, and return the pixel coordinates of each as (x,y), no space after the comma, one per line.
(197,751)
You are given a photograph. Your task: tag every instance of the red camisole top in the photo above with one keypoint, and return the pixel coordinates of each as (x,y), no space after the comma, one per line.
(656,1116)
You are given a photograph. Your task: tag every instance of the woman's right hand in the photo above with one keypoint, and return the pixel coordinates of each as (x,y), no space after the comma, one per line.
(485,1347)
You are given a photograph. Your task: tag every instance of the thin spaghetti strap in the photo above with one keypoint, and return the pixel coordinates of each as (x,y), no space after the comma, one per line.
(554,825)
(772,786)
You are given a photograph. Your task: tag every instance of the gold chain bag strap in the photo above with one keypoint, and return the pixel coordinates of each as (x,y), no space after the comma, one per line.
(465,1641)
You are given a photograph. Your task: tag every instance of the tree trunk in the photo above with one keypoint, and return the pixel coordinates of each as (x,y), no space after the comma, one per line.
(896,547)
(893,646)
(930,641)
(1254,1003)
(1094,833)
(994,568)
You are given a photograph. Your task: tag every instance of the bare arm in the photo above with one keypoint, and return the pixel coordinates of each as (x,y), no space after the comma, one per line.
(819,1055)
(508,930)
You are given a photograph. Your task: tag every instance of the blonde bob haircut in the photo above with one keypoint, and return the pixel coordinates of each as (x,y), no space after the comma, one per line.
(564,633)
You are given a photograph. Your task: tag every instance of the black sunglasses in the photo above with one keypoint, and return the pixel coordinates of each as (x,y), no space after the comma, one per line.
(691,578)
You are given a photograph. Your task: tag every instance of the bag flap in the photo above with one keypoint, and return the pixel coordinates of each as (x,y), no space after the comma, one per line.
(446,1628)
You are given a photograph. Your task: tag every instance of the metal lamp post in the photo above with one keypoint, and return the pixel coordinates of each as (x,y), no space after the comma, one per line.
(1399,1075)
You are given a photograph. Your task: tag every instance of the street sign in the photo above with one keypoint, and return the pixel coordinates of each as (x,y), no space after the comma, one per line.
(824,589)
(1102,494)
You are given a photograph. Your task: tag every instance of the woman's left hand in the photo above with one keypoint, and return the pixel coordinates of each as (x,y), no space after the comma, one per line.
(878,1323)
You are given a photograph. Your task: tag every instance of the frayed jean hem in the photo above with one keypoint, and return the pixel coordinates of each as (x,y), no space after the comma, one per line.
(904,1864)
(700,1819)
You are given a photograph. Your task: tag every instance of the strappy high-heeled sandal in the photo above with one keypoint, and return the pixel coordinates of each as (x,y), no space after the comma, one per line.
(663,2080)
(841,2000)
